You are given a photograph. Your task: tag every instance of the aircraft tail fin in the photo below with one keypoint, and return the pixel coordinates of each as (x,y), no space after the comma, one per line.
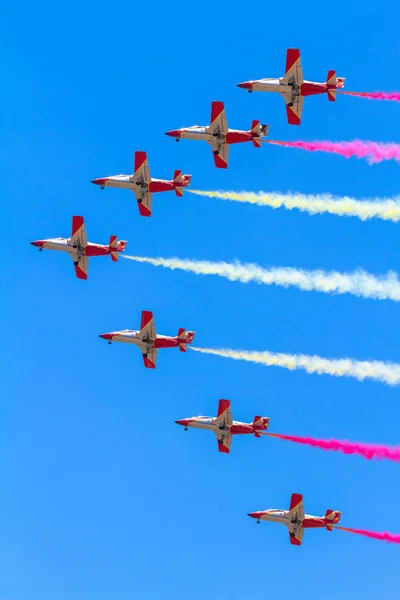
(260,424)
(257,131)
(332,95)
(113,241)
(332,517)
(178,176)
(255,127)
(333,83)
(116,246)
(184,337)
(181,181)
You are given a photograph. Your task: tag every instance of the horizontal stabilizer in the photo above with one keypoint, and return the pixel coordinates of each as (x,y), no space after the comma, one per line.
(332,516)
(178,176)
(260,424)
(113,241)
(332,95)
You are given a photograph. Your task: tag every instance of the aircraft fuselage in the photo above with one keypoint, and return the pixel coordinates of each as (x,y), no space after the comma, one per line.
(133,337)
(128,182)
(233,136)
(307,88)
(284,516)
(63,245)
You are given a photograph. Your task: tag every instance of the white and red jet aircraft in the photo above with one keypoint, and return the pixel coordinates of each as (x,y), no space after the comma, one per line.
(295,519)
(142,185)
(219,136)
(294,88)
(223,426)
(148,341)
(80,249)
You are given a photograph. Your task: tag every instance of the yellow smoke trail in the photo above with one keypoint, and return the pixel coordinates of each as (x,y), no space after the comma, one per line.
(344,367)
(388,210)
(359,283)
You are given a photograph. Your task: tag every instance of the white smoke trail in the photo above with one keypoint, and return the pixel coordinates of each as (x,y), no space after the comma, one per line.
(388,210)
(359,283)
(344,367)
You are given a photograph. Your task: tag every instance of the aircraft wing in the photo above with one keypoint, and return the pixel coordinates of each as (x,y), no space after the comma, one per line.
(298,532)
(297,507)
(224,416)
(141,168)
(220,159)
(78,236)
(81,269)
(218,122)
(294,112)
(224,443)
(294,70)
(150,358)
(147,328)
(145,201)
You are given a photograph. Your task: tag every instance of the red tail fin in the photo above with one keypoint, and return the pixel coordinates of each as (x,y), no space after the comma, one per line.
(184,337)
(260,424)
(332,516)
(255,125)
(181,181)
(178,176)
(331,79)
(116,246)
(258,130)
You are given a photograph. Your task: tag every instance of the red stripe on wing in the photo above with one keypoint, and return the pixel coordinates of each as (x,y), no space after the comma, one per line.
(292,55)
(147,316)
(143,210)
(223,406)
(292,118)
(216,109)
(295,501)
(220,163)
(295,541)
(140,158)
(80,273)
(77,223)
(148,363)
(223,448)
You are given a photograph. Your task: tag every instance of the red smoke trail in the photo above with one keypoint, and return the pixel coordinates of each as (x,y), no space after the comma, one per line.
(367,451)
(384,536)
(373,151)
(393,96)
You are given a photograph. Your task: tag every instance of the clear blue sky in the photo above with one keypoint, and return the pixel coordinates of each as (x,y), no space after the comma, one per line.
(103,496)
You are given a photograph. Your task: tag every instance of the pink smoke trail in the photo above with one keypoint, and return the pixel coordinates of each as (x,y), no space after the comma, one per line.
(376,535)
(374,152)
(393,96)
(367,451)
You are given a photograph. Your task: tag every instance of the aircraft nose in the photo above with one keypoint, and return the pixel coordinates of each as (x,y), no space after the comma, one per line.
(106,336)
(37,243)
(254,515)
(246,85)
(173,133)
(183,422)
(99,181)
